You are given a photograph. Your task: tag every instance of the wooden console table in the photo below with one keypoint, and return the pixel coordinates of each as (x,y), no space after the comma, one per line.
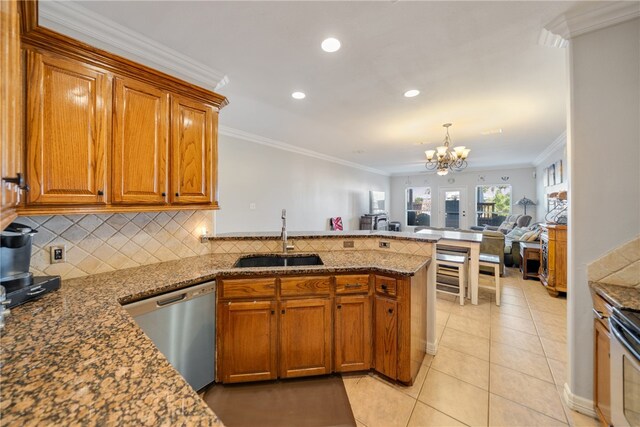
(530,255)
(553,258)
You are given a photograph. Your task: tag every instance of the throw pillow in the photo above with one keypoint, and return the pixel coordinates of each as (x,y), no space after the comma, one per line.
(526,236)
(516,233)
(535,236)
(505,227)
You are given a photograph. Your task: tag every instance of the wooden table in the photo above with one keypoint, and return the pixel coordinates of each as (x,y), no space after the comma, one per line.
(529,251)
(466,240)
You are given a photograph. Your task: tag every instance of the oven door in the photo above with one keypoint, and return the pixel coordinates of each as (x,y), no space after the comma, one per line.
(625,375)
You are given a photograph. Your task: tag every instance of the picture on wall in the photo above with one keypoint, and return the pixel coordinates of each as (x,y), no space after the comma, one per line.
(545,177)
(552,174)
(559,172)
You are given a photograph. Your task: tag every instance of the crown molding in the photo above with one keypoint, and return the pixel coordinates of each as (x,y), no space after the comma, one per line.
(78,19)
(595,17)
(559,142)
(236,133)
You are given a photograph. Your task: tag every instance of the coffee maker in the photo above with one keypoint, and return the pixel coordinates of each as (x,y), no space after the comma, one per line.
(15,260)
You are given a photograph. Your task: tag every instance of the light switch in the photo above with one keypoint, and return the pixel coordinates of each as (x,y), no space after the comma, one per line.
(252,206)
(58,254)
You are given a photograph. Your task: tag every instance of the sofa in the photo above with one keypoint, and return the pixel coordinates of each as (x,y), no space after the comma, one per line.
(512,243)
(511,222)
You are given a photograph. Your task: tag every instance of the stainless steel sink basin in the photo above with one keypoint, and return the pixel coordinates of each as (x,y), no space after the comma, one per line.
(276,260)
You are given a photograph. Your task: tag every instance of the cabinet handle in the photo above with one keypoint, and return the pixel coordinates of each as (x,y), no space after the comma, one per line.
(177,194)
(282,312)
(600,315)
(339,306)
(164,194)
(390,311)
(384,287)
(17,180)
(273,312)
(100,193)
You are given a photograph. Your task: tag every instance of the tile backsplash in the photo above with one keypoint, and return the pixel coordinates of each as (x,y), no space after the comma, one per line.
(621,266)
(107,242)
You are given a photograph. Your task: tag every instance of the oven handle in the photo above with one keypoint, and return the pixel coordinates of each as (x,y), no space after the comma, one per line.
(617,328)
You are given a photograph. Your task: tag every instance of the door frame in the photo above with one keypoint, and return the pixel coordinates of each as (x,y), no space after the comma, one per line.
(463,224)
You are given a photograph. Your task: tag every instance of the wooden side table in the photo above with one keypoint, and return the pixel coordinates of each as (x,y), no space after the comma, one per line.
(530,255)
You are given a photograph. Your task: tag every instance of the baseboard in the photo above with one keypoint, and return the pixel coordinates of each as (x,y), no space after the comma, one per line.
(432,348)
(579,404)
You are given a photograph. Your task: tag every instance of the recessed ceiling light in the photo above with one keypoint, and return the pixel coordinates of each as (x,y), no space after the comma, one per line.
(330,45)
(491,131)
(298,95)
(411,93)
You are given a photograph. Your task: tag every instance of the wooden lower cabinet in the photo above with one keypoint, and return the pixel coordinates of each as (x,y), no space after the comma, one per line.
(352,333)
(602,389)
(248,341)
(305,337)
(385,341)
(553,258)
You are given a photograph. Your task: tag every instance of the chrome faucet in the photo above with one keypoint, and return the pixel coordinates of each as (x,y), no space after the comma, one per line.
(285,246)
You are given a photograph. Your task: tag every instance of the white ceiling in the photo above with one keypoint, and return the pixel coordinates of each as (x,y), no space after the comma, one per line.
(477,65)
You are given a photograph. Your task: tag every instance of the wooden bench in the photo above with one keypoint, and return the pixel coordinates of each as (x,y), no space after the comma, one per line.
(459,262)
(488,260)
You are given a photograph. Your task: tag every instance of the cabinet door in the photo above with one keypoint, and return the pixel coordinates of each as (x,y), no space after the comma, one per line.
(68,110)
(353,333)
(385,341)
(140,143)
(10,108)
(193,164)
(248,344)
(602,372)
(305,337)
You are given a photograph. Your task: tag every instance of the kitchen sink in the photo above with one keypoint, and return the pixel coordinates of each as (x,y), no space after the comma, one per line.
(276,260)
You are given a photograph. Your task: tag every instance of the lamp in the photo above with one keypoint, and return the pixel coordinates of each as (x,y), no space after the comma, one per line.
(525,202)
(442,159)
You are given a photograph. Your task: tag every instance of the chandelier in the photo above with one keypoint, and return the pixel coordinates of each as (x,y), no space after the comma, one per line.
(443,159)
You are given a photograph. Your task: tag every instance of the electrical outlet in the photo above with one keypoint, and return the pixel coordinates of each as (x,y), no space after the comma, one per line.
(58,254)
(348,244)
(252,206)
(385,245)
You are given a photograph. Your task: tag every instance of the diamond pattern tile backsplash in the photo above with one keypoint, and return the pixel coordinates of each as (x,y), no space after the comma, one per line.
(621,266)
(107,242)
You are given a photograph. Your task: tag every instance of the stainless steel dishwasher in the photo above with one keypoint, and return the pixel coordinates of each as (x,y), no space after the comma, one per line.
(182,325)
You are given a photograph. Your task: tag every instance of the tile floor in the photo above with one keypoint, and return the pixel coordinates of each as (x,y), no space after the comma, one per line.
(497,366)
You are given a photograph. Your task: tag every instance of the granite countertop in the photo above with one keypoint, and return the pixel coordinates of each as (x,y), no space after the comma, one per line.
(77,355)
(275,235)
(622,297)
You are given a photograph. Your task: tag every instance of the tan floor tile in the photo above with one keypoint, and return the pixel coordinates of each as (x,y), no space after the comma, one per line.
(577,419)
(466,343)
(514,300)
(442,317)
(531,392)
(554,349)
(549,319)
(552,332)
(477,312)
(462,366)
(504,412)
(413,390)
(559,371)
(425,416)
(511,290)
(351,380)
(455,398)
(521,360)
(359,424)
(517,323)
(428,358)
(374,403)
(517,339)
(512,310)
(471,326)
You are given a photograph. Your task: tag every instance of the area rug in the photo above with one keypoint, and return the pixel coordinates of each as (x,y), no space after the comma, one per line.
(310,402)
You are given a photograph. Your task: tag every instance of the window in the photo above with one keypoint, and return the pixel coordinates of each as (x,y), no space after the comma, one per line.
(418,206)
(493,204)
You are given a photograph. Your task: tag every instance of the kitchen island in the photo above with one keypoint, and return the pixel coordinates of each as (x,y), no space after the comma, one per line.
(77,355)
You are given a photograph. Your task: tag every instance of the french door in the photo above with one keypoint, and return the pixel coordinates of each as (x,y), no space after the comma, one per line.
(452,208)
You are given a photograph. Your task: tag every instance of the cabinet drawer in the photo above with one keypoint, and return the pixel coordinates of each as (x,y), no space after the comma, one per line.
(386,285)
(352,284)
(296,286)
(248,288)
(602,309)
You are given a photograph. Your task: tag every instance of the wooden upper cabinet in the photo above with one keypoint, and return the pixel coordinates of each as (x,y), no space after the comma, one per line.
(140,160)
(10,109)
(69,106)
(194,129)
